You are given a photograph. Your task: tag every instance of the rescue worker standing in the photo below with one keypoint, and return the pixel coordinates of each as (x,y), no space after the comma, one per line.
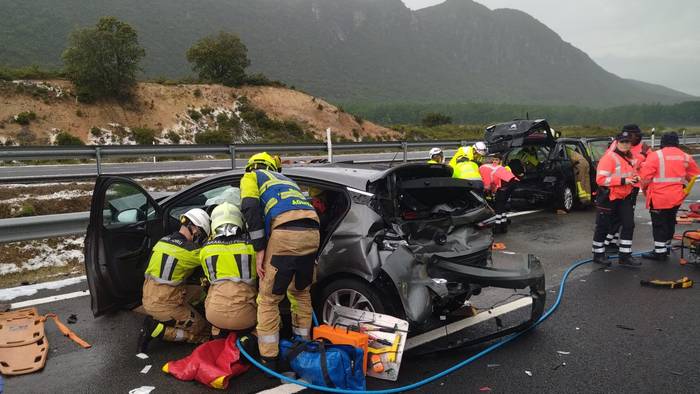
(615,176)
(582,173)
(173,259)
(436,156)
(228,261)
(664,176)
(640,150)
(475,153)
(284,231)
(498,181)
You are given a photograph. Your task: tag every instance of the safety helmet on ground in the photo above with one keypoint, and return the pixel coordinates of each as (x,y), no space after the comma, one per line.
(226,213)
(199,218)
(480,148)
(264,160)
(434,152)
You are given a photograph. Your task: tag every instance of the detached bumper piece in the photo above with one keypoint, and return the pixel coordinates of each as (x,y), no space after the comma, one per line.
(528,275)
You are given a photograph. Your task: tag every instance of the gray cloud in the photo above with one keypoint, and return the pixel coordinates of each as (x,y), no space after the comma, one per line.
(649,40)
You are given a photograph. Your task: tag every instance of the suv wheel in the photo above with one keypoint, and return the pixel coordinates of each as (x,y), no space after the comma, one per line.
(351,293)
(565,199)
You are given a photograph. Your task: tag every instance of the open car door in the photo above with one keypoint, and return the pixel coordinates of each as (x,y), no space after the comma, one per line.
(125,222)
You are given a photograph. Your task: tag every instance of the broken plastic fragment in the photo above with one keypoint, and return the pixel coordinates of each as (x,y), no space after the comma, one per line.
(563,352)
(624,327)
(142,390)
(676,373)
(142,356)
(577,328)
(485,388)
(146,368)
(528,373)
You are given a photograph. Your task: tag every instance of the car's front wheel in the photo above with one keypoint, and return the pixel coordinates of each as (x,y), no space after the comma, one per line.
(351,293)
(565,199)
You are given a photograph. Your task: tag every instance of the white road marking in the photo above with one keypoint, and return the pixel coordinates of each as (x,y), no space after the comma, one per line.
(46,300)
(287,388)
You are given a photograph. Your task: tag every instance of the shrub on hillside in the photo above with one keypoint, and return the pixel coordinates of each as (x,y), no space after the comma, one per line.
(194,114)
(96,132)
(143,135)
(210,137)
(433,119)
(26,137)
(66,138)
(173,136)
(24,118)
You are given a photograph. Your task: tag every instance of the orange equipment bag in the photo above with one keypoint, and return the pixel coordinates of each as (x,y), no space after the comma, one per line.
(344,336)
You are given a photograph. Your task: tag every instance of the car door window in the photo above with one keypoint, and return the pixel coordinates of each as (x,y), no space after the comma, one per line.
(125,204)
(206,198)
(598,148)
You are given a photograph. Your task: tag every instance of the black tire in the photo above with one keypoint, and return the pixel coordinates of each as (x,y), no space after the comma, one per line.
(565,198)
(342,289)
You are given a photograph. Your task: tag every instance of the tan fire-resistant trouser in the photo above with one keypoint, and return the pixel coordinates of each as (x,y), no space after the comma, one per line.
(289,267)
(169,304)
(231,305)
(582,171)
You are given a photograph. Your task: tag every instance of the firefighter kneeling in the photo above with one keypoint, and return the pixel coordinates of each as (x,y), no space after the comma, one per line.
(174,258)
(284,231)
(229,265)
(498,181)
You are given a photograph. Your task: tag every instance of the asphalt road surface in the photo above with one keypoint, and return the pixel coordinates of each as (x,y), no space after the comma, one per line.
(609,334)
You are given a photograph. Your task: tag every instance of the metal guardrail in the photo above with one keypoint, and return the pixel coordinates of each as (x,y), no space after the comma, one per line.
(44,226)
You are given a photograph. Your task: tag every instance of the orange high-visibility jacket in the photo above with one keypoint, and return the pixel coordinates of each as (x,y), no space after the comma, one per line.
(664,176)
(612,171)
(494,175)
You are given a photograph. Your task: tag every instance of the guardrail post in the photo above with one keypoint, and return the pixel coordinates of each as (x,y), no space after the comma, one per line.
(232,152)
(462,143)
(684,137)
(329,145)
(99,160)
(653,139)
(404,147)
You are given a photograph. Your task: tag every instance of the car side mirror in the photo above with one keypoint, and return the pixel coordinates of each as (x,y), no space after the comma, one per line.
(132,215)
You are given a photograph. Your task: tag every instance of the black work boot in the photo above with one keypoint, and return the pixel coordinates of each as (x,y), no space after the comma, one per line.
(249,343)
(612,249)
(599,258)
(655,256)
(270,363)
(627,260)
(151,329)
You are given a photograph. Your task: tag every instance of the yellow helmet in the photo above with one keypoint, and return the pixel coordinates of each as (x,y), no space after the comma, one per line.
(226,213)
(264,159)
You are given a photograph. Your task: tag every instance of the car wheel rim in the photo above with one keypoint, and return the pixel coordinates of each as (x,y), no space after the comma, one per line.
(568,199)
(346,297)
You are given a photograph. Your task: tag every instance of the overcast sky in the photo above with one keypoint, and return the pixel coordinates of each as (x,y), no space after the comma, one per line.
(655,41)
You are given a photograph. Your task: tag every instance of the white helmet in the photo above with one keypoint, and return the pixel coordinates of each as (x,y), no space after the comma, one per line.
(199,218)
(480,148)
(433,152)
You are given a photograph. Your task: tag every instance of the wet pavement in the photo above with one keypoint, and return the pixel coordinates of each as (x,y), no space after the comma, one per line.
(609,334)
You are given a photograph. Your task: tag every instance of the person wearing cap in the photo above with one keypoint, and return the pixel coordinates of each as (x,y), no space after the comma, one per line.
(498,181)
(284,231)
(174,258)
(640,150)
(615,176)
(664,175)
(436,156)
(228,260)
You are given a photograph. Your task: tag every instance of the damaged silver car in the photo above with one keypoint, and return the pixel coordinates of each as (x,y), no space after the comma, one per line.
(409,241)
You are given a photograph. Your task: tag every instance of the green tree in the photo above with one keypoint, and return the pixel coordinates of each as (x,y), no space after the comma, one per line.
(433,119)
(102,61)
(220,58)
(66,138)
(143,135)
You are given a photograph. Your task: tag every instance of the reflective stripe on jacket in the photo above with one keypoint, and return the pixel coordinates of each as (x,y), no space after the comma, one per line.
(228,258)
(466,170)
(173,259)
(611,172)
(665,174)
(640,152)
(265,195)
(494,175)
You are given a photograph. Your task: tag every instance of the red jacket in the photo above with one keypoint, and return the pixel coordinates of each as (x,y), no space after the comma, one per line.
(664,176)
(640,152)
(612,171)
(494,175)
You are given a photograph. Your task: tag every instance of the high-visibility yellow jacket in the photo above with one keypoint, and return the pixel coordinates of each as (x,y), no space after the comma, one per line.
(265,195)
(228,258)
(173,259)
(466,169)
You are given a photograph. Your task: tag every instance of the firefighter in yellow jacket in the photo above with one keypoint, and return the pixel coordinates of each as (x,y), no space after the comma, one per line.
(165,300)
(284,231)
(228,260)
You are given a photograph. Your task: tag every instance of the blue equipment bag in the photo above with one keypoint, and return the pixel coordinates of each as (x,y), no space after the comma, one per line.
(335,366)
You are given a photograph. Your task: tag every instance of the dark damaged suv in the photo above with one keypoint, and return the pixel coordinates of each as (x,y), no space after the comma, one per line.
(410,241)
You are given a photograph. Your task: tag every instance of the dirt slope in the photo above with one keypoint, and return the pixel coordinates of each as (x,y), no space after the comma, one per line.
(165,107)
